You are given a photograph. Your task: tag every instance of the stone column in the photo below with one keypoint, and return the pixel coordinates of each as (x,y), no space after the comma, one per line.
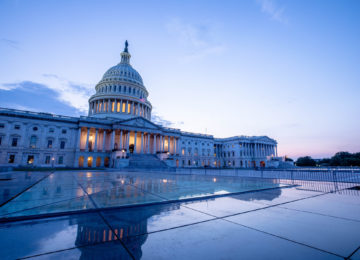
(148,143)
(78,140)
(161,143)
(96,139)
(177,146)
(142,143)
(127,107)
(121,141)
(276,152)
(154,148)
(104,140)
(127,141)
(116,105)
(138,109)
(112,140)
(135,137)
(169,144)
(87,140)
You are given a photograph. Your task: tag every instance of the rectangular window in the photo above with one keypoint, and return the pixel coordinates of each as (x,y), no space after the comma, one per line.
(14,142)
(49,144)
(17,127)
(0,140)
(128,108)
(118,107)
(33,142)
(51,130)
(123,107)
(63,131)
(30,159)
(112,106)
(62,144)
(61,160)
(11,158)
(183,151)
(47,159)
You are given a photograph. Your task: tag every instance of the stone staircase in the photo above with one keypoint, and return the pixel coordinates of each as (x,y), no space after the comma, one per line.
(146,161)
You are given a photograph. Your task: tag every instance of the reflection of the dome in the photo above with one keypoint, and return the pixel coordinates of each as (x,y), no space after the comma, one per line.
(128,225)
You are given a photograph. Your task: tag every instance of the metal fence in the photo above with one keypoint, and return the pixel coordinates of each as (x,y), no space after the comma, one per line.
(323,175)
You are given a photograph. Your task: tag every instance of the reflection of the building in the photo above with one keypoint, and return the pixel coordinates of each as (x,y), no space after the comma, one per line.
(127,225)
(130,225)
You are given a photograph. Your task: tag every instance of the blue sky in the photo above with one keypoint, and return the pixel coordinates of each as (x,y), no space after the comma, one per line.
(286,69)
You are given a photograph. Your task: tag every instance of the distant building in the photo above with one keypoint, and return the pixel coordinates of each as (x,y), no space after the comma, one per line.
(119,127)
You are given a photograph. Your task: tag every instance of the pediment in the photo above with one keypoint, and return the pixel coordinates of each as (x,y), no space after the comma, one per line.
(265,139)
(140,122)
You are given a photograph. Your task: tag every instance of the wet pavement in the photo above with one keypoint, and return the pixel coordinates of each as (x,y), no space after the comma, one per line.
(116,215)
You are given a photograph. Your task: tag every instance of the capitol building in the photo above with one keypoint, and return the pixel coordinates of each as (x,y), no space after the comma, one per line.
(118,133)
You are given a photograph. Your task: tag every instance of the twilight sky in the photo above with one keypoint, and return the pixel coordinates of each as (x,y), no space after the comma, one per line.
(286,69)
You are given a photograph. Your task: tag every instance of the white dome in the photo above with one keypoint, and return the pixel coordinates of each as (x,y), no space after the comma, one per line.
(123,72)
(121,92)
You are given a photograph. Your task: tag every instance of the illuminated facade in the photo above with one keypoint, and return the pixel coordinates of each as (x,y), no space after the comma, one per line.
(118,132)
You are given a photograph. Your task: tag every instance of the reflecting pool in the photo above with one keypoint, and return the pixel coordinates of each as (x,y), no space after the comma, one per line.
(138,215)
(78,191)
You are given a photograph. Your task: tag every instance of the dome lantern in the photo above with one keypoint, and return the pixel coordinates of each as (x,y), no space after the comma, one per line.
(125,55)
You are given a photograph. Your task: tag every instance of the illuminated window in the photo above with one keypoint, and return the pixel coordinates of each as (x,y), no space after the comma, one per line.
(129,108)
(100,104)
(112,106)
(118,107)
(30,159)
(183,151)
(123,107)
